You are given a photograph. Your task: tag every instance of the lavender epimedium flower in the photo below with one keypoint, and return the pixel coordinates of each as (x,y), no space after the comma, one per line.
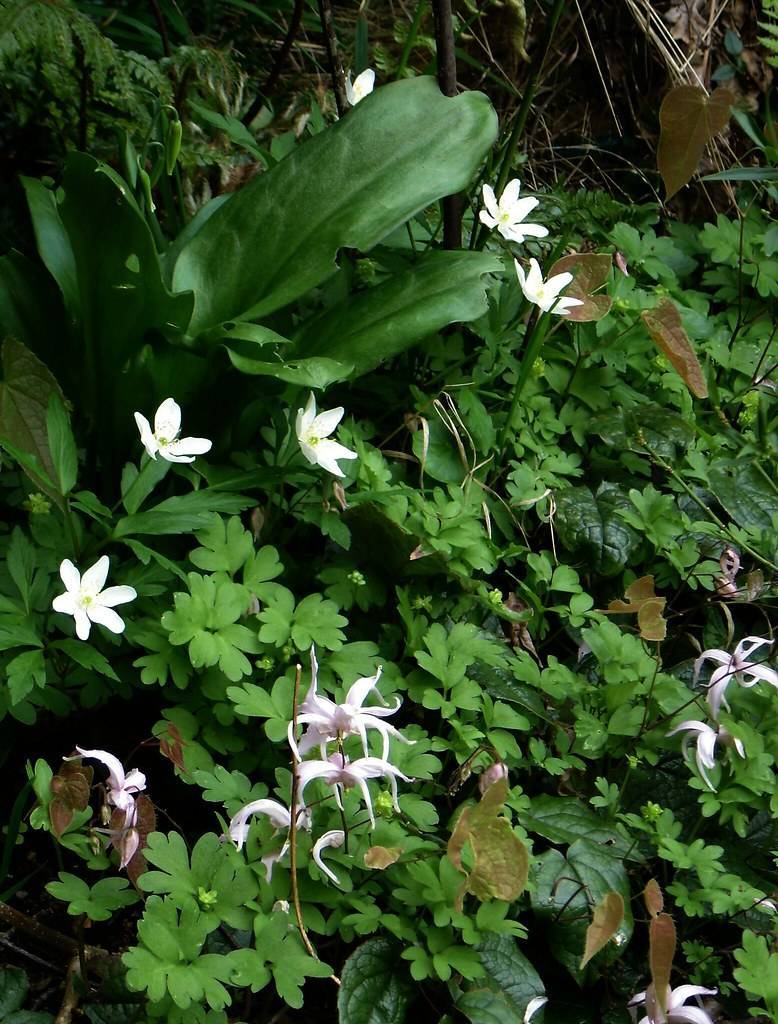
(121,787)
(280,818)
(334,838)
(737,666)
(507,214)
(677,1011)
(87,602)
(707,738)
(327,721)
(341,773)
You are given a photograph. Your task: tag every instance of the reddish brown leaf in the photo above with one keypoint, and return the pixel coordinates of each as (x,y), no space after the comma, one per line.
(590,271)
(642,601)
(60,815)
(71,787)
(606,921)
(171,746)
(688,120)
(661,951)
(146,823)
(653,898)
(667,332)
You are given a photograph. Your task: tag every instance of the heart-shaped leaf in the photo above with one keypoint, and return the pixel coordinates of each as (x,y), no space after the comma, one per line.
(688,120)
(590,271)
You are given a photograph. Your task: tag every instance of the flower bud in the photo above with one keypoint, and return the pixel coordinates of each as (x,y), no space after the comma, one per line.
(494,773)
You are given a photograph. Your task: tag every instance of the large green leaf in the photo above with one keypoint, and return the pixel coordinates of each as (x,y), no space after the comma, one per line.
(402,148)
(747,492)
(374,325)
(510,982)
(563,819)
(590,527)
(374,985)
(32,311)
(26,388)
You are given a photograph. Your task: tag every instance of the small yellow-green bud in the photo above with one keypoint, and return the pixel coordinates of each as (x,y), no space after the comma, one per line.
(206,897)
(37,504)
(538,367)
(356,577)
(651,811)
(384,807)
(495,598)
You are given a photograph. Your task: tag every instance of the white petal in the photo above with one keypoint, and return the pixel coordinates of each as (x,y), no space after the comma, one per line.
(520,273)
(523,207)
(275,812)
(364,82)
(533,1006)
(510,195)
(69,575)
(490,202)
(689,1015)
(534,277)
(190,446)
(748,645)
(94,578)
(487,219)
(309,452)
(559,282)
(679,995)
(106,617)
(563,306)
(691,725)
(65,603)
(116,595)
(334,838)
(326,421)
(135,781)
(83,625)
(706,747)
(358,691)
(351,96)
(148,440)
(535,230)
(305,417)
(115,768)
(167,419)
(169,456)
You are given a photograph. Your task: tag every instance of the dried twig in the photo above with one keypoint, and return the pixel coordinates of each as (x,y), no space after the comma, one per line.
(447,80)
(278,64)
(333,56)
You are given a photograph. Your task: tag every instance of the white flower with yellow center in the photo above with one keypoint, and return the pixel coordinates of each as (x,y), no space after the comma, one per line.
(87,602)
(313,436)
(546,294)
(507,214)
(361,86)
(164,440)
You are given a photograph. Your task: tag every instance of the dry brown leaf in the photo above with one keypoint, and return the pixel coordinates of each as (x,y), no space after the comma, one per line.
(661,951)
(500,859)
(688,120)
(145,823)
(590,271)
(381,857)
(668,334)
(606,921)
(71,786)
(641,600)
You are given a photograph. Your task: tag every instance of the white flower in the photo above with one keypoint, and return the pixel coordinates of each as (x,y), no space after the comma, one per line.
(677,1013)
(361,87)
(120,787)
(707,738)
(279,817)
(164,439)
(335,838)
(341,773)
(313,435)
(328,721)
(735,666)
(545,294)
(533,1006)
(508,214)
(86,600)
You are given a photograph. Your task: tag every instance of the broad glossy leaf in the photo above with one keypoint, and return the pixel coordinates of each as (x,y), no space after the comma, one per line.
(563,819)
(32,311)
(370,327)
(25,391)
(747,492)
(181,514)
(317,372)
(589,526)
(645,426)
(590,271)
(688,119)
(374,985)
(668,334)
(510,982)
(400,149)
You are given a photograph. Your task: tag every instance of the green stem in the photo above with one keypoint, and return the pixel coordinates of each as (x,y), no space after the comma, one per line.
(410,39)
(536,333)
(520,118)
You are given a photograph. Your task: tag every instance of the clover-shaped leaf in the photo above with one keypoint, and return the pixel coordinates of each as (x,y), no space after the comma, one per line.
(98,902)
(219,883)
(169,959)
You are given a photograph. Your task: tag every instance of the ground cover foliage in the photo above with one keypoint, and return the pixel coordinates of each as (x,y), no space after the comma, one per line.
(385,626)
